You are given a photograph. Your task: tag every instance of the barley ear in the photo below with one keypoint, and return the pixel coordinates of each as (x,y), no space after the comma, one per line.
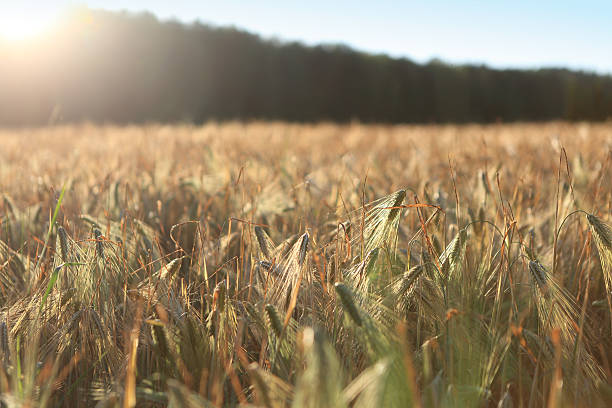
(539,274)
(99,245)
(348,302)
(274,320)
(266,246)
(602,233)
(4,344)
(63,238)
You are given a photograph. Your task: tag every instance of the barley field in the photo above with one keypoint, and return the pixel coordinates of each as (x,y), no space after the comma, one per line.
(282,265)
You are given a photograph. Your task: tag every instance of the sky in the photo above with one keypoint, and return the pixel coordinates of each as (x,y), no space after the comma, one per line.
(501,34)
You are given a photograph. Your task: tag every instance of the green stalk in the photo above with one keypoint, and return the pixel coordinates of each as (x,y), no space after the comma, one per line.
(57,208)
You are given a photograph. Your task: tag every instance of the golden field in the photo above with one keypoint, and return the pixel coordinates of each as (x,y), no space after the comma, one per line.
(273,264)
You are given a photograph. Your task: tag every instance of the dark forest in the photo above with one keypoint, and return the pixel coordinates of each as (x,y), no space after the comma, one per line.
(125,68)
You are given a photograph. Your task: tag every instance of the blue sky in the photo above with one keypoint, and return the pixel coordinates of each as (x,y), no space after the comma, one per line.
(526,34)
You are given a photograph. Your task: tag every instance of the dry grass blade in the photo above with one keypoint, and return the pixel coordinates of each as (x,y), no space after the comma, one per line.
(129,399)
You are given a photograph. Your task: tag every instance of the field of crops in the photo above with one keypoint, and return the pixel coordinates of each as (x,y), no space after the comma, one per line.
(277,265)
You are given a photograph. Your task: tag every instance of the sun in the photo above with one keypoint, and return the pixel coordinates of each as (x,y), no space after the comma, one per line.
(24,23)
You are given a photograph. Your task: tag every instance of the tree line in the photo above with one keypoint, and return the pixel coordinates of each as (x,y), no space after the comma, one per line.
(126,68)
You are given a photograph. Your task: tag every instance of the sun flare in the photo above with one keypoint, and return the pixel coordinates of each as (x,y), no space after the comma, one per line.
(23,24)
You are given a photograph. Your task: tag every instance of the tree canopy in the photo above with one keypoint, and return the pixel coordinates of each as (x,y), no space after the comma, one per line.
(125,68)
